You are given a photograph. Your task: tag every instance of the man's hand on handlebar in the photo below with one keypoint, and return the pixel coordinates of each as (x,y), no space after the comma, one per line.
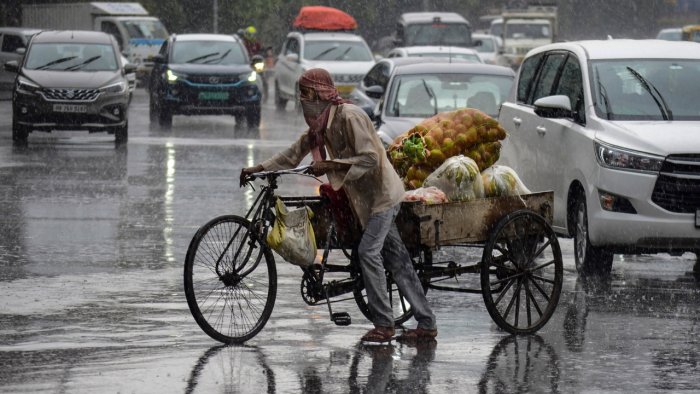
(245,173)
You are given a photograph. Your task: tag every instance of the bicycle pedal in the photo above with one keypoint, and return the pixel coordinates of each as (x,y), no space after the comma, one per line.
(341,318)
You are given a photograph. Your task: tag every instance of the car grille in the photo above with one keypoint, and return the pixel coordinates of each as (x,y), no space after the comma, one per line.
(70,94)
(347,78)
(212,79)
(678,187)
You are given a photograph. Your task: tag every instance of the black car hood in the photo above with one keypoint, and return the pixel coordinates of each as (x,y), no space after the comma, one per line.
(72,79)
(210,69)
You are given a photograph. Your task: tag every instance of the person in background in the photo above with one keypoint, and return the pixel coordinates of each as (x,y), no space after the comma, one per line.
(250,40)
(358,164)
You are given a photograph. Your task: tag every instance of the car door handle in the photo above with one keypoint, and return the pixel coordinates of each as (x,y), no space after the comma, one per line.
(517,121)
(541,130)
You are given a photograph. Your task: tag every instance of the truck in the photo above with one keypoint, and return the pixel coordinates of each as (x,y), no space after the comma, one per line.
(139,34)
(523,29)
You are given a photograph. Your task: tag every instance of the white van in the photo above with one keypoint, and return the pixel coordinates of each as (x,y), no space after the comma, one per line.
(613,127)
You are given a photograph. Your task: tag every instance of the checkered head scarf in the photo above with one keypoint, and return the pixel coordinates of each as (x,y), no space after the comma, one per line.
(321,82)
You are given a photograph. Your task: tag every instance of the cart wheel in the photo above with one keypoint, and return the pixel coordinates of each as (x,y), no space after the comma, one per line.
(521,272)
(399,305)
(230,280)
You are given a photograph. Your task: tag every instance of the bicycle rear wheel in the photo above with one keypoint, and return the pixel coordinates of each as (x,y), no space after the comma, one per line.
(230,280)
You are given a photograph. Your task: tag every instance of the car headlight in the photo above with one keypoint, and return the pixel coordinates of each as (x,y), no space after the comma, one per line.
(259,67)
(173,76)
(250,77)
(118,87)
(625,159)
(25,85)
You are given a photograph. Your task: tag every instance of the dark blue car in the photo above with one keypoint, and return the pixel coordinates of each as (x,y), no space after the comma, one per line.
(204,74)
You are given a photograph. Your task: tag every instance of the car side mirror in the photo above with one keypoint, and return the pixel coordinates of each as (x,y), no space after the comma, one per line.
(159,59)
(558,106)
(293,57)
(11,66)
(129,68)
(375,91)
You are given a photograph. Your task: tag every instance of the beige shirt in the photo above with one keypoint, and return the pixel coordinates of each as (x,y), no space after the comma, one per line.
(371,183)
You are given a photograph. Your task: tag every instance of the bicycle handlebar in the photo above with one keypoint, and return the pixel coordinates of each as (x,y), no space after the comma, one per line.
(301,170)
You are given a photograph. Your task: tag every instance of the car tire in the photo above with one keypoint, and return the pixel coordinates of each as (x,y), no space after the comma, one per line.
(252,116)
(590,260)
(121,134)
(165,117)
(152,108)
(19,133)
(280,103)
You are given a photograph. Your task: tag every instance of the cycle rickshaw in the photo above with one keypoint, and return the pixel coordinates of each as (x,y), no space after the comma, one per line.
(231,280)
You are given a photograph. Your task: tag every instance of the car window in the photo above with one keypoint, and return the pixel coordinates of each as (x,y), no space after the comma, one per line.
(292,47)
(163,49)
(207,52)
(455,34)
(547,75)
(486,45)
(11,42)
(462,56)
(72,57)
(415,95)
(571,85)
(527,74)
(337,51)
(621,93)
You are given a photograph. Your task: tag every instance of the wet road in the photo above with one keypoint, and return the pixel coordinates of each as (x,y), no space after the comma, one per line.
(92,243)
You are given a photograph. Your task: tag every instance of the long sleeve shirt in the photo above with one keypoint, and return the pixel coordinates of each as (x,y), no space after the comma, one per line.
(371,183)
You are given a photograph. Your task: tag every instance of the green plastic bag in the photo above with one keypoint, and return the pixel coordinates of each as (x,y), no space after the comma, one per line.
(292,235)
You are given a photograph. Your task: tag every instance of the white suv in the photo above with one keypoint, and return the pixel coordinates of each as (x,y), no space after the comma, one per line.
(613,127)
(345,56)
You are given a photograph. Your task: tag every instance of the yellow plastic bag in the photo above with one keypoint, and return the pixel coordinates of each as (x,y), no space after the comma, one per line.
(292,236)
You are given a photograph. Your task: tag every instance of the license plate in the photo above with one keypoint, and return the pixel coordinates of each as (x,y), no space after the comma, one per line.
(72,108)
(213,95)
(697,218)
(345,89)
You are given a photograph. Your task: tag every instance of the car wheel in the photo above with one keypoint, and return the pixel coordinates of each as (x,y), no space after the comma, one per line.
(252,116)
(121,134)
(280,103)
(165,116)
(590,260)
(152,108)
(19,132)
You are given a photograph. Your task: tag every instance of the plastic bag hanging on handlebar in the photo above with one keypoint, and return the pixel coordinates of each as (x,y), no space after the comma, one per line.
(292,236)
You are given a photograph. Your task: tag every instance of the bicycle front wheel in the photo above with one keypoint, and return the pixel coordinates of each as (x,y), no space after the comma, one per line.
(230,280)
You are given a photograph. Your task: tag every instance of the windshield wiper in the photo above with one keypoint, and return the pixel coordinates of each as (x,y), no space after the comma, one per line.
(344,53)
(431,94)
(648,86)
(324,52)
(202,57)
(218,59)
(80,65)
(57,61)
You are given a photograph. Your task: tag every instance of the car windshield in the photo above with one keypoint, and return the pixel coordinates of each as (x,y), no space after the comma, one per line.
(528,30)
(486,45)
(348,51)
(463,56)
(455,34)
(208,52)
(424,95)
(646,89)
(670,35)
(71,57)
(146,28)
